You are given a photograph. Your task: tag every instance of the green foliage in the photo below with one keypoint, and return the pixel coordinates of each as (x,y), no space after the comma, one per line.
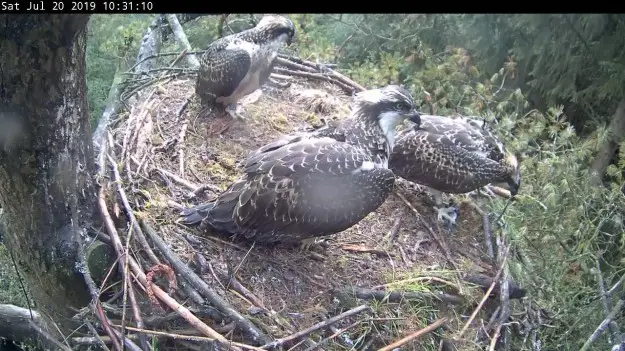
(560,224)
(486,65)
(10,289)
(110,39)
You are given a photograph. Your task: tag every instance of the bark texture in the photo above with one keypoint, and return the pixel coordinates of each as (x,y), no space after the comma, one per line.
(606,152)
(46,158)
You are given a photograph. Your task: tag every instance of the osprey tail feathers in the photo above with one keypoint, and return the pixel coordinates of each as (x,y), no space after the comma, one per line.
(218,218)
(194,215)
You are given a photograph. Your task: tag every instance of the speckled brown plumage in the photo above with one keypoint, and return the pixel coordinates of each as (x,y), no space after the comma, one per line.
(238,64)
(303,186)
(453,155)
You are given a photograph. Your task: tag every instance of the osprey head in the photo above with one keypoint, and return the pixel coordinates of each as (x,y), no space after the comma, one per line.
(388,106)
(275,27)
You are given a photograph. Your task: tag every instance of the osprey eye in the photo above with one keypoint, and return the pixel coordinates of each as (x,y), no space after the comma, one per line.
(401,106)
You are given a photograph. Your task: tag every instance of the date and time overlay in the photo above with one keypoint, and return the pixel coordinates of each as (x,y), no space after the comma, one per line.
(70,6)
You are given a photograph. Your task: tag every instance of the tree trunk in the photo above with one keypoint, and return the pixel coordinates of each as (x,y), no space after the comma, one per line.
(616,131)
(46,158)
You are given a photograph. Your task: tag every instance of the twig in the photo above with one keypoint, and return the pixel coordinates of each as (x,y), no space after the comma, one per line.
(158,292)
(178,179)
(129,212)
(515,291)
(487,236)
(220,24)
(233,283)
(97,339)
(428,279)
(504,283)
(347,88)
(127,342)
(493,341)
(321,67)
(182,38)
(203,288)
(337,333)
(606,299)
(94,291)
(595,335)
(317,326)
(414,335)
(397,296)
(485,297)
(390,237)
(204,187)
(183,311)
(616,286)
(438,241)
(49,338)
(181,136)
(133,299)
(193,338)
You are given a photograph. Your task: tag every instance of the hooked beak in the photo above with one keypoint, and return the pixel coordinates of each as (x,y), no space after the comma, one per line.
(514,187)
(415,118)
(289,39)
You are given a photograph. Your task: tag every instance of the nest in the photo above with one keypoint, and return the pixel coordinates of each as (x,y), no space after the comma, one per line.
(167,158)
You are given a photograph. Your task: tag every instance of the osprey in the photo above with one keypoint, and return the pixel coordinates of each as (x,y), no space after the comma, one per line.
(239,64)
(304,186)
(453,155)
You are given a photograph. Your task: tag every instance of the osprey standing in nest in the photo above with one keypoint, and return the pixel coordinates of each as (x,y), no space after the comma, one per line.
(301,186)
(239,64)
(453,155)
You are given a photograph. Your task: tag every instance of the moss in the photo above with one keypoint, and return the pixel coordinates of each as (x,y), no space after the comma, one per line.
(279,122)
(313,120)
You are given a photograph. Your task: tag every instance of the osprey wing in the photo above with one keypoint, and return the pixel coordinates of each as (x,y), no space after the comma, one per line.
(221,71)
(306,188)
(437,161)
(468,133)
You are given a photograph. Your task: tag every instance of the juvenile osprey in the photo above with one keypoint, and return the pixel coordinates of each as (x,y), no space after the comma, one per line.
(238,64)
(302,186)
(453,155)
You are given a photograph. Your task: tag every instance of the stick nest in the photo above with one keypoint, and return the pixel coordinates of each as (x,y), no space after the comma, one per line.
(169,158)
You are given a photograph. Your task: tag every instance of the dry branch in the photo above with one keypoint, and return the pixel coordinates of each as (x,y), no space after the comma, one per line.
(430,328)
(18,326)
(318,76)
(397,296)
(95,339)
(488,239)
(182,38)
(112,108)
(486,295)
(601,328)
(606,299)
(96,304)
(162,295)
(203,288)
(514,290)
(317,326)
(150,45)
(392,233)
(193,338)
(129,212)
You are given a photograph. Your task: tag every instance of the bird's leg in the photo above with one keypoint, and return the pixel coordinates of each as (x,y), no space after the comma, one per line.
(315,242)
(234,110)
(445,214)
